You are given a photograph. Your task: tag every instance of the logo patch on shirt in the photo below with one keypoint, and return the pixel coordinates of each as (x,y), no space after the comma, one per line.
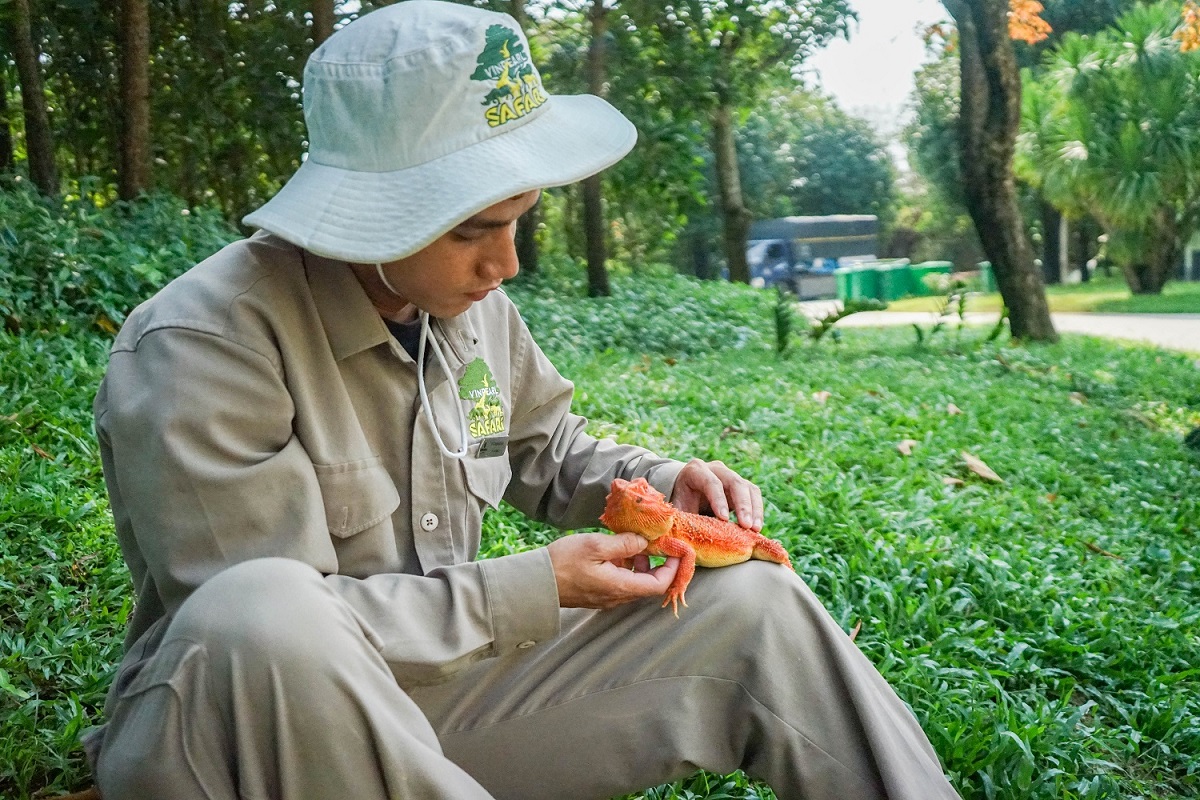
(486,415)
(505,65)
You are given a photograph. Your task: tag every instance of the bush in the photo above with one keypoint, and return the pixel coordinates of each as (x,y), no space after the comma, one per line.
(80,266)
(666,315)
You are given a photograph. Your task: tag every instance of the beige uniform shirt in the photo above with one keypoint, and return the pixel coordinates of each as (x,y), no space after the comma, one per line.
(258,406)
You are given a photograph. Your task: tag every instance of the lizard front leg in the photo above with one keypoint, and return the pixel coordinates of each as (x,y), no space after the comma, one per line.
(683,550)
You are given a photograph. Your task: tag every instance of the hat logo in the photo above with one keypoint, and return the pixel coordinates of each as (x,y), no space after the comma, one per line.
(505,64)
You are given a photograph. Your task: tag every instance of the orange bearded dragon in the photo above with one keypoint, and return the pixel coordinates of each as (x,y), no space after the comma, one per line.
(635,506)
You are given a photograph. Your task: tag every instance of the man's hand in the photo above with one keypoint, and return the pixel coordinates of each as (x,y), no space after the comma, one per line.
(595,570)
(713,486)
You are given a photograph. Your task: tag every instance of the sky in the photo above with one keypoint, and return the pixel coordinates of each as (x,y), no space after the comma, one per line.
(871,74)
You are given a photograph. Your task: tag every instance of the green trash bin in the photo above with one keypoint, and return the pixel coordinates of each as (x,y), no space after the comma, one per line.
(895,281)
(920,286)
(864,282)
(845,277)
(987,277)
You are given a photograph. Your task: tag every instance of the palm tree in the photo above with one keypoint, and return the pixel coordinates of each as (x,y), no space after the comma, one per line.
(1113,128)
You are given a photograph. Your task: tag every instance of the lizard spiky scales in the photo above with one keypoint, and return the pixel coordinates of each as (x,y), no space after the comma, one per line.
(637,507)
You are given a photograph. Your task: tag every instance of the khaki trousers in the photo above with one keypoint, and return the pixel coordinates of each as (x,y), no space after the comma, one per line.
(268,685)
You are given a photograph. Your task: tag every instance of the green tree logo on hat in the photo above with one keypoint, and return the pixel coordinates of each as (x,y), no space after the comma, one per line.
(505,64)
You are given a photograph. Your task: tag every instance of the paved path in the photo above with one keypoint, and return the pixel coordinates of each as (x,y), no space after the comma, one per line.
(1172,331)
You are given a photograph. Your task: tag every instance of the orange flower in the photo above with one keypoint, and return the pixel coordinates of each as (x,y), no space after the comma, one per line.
(1025,23)
(1189,33)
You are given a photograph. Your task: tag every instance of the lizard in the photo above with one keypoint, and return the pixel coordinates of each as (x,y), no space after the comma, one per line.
(636,506)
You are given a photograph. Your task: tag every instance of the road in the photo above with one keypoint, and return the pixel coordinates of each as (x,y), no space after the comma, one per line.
(1170,331)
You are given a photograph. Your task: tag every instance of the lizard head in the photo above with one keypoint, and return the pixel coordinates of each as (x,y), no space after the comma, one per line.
(638,507)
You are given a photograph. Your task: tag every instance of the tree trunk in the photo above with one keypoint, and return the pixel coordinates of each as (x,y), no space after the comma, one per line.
(701,265)
(1052,265)
(134,177)
(988,125)
(39,146)
(516,10)
(527,225)
(322,21)
(1160,256)
(7,157)
(593,207)
(1064,248)
(729,184)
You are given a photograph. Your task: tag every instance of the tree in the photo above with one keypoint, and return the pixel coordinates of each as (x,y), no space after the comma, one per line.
(134,174)
(593,198)
(725,50)
(799,154)
(7,155)
(39,144)
(323,18)
(527,225)
(990,116)
(1113,128)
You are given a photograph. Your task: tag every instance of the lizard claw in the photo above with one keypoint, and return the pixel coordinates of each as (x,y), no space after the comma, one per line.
(675,599)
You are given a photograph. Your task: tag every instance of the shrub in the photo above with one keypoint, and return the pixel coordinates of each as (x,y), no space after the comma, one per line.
(80,266)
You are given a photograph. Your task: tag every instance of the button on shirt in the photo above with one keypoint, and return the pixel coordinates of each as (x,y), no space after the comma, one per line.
(258,406)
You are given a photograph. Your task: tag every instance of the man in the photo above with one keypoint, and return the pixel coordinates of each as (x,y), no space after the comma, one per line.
(300,436)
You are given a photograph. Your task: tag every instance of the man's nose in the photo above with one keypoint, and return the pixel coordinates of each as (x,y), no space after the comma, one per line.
(500,263)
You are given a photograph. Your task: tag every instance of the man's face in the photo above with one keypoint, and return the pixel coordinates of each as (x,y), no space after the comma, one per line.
(457,269)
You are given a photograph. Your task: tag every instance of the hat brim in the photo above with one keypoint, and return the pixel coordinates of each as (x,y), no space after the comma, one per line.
(368,217)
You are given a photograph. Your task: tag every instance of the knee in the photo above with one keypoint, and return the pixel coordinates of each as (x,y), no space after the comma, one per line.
(274,605)
(751,595)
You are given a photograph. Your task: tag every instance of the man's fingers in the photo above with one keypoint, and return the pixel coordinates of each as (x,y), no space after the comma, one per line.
(747,502)
(619,546)
(651,583)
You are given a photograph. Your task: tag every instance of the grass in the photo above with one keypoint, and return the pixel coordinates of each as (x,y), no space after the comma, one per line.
(1043,629)
(1102,295)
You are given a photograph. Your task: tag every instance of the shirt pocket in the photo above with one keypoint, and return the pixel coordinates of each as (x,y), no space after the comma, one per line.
(357,495)
(487,478)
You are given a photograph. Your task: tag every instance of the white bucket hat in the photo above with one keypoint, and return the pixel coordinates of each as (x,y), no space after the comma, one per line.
(421,114)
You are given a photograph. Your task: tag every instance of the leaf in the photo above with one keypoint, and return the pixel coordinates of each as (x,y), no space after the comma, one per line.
(949,481)
(107,325)
(822,397)
(976,465)
(857,628)
(953,410)
(42,452)
(906,446)
(1078,398)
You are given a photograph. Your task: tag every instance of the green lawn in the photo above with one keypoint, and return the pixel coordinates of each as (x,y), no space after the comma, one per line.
(1108,295)
(1043,629)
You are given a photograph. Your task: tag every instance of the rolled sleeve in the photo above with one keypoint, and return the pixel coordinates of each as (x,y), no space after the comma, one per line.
(523,599)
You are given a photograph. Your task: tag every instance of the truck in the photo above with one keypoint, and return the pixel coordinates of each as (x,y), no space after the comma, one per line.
(801,253)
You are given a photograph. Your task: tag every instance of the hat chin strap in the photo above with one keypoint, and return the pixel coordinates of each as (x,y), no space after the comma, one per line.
(426,408)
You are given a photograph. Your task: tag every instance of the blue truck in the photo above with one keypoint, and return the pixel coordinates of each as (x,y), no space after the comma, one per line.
(801,253)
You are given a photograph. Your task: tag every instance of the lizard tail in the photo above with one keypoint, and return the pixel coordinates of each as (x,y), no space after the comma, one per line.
(770,550)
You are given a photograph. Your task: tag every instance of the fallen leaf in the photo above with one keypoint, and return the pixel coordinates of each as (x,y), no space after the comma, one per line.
(107,325)
(857,628)
(1095,548)
(1078,398)
(730,431)
(670,362)
(822,397)
(976,465)
(952,409)
(1052,497)
(953,481)
(906,446)
(42,452)
(873,393)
